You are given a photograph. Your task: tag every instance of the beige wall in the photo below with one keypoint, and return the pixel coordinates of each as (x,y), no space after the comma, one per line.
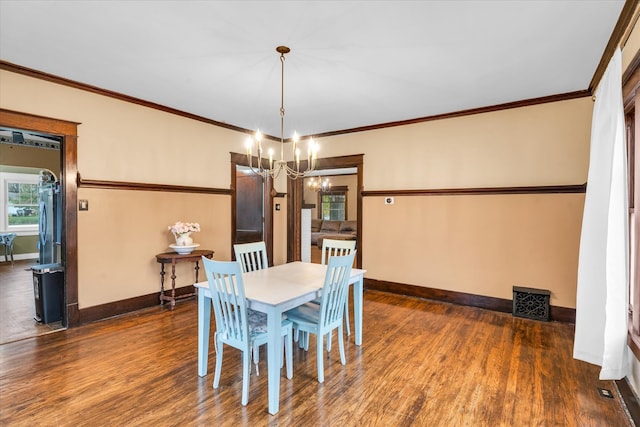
(26,156)
(120,141)
(482,245)
(470,235)
(120,234)
(280,231)
(546,144)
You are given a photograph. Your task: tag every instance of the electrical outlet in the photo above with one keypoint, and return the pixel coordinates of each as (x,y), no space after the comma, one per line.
(389,200)
(605,393)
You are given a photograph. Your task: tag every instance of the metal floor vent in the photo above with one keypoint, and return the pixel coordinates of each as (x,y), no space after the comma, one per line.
(531,303)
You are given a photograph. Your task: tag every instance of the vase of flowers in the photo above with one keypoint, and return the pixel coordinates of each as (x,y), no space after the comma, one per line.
(182,232)
(184,239)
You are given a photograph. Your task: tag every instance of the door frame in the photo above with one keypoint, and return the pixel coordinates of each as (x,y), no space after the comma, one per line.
(295,189)
(69,166)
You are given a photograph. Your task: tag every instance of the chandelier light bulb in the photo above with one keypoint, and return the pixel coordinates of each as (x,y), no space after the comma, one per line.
(249,145)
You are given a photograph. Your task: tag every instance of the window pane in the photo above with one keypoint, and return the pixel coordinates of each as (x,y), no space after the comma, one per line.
(22,204)
(333,207)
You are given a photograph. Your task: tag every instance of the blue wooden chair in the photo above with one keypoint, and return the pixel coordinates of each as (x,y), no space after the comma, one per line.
(6,240)
(322,319)
(331,248)
(236,325)
(252,256)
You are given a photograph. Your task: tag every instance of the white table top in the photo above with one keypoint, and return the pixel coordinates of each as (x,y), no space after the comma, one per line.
(282,283)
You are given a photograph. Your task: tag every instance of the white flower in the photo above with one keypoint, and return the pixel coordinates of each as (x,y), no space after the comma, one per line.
(184,227)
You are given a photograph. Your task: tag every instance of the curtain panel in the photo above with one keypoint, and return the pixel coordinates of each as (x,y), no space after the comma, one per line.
(603,284)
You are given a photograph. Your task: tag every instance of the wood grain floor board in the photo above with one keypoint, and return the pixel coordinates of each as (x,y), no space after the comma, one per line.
(422,363)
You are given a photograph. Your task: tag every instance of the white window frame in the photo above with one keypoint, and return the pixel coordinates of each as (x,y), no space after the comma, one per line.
(22,178)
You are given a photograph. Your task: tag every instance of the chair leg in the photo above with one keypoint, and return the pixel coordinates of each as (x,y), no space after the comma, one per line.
(329,336)
(246,374)
(320,357)
(346,315)
(343,359)
(256,359)
(216,377)
(289,354)
(303,342)
(284,348)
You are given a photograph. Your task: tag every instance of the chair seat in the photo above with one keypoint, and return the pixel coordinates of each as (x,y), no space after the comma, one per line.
(258,321)
(306,313)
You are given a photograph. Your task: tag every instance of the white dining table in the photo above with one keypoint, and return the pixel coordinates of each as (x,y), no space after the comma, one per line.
(273,291)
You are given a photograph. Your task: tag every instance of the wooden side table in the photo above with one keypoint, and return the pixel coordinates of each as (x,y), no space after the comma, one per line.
(173,258)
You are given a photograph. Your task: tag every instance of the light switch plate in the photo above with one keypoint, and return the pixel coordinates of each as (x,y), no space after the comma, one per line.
(83,205)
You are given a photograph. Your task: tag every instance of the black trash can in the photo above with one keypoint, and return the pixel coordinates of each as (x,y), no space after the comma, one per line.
(48,291)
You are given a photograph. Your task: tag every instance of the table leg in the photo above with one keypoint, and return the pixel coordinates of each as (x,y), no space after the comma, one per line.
(204,325)
(173,285)
(357,308)
(162,284)
(197,268)
(274,350)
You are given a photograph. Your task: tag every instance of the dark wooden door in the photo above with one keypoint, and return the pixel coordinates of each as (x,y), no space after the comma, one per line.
(249,207)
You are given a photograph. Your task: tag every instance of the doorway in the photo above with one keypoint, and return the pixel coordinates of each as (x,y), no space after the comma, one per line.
(30,213)
(252,206)
(68,133)
(329,196)
(296,203)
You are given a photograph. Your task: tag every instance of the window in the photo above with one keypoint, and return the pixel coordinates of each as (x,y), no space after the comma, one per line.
(19,207)
(333,204)
(631,96)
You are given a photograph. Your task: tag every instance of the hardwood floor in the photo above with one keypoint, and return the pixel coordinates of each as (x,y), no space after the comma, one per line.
(422,363)
(17,306)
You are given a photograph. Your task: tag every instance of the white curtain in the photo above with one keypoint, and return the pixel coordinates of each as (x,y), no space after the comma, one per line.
(602,296)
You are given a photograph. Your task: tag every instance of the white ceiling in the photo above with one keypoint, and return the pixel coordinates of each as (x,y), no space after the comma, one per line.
(352,63)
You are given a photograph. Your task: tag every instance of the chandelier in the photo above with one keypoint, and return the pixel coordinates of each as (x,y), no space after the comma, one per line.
(318,184)
(276,167)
